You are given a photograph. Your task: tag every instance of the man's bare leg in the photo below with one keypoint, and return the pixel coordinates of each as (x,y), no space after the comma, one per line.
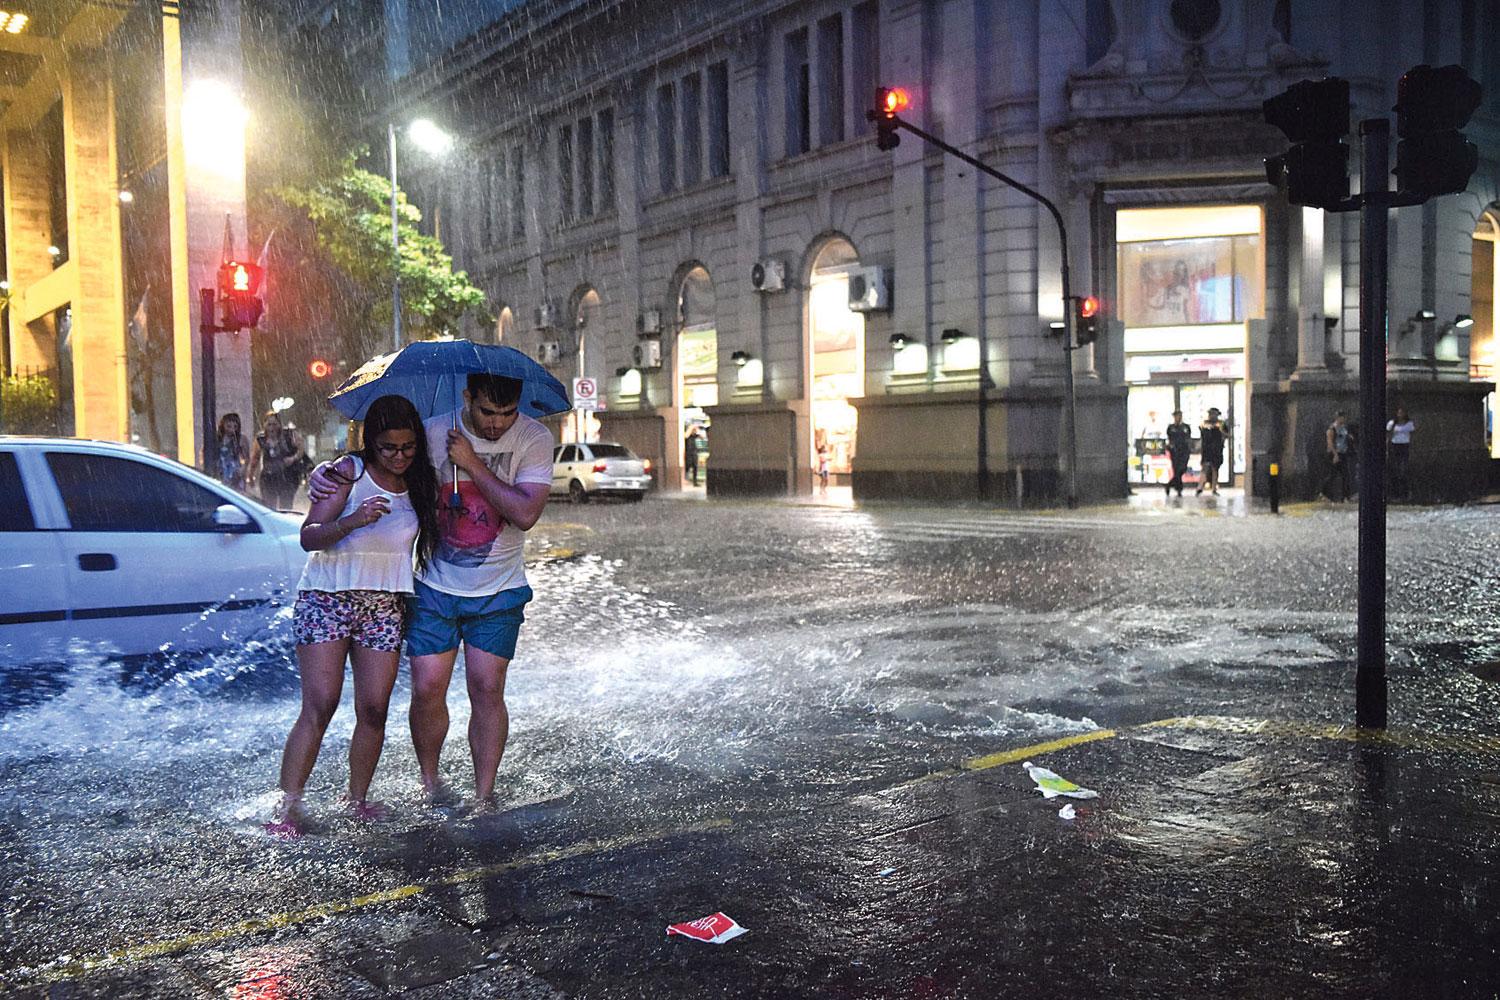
(430,675)
(489,720)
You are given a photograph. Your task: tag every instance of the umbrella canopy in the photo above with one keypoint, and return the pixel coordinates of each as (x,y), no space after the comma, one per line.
(432,374)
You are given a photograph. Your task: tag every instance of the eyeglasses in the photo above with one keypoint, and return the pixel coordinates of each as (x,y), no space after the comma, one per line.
(404,450)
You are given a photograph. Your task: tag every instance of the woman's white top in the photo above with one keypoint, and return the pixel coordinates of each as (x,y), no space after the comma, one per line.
(1400,433)
(375,557)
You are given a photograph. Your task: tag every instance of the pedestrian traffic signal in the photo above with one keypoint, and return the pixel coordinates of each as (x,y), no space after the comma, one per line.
(239,294)
(319,369)
(1314,115)
(889,102)
(1432,105)
(1086,319)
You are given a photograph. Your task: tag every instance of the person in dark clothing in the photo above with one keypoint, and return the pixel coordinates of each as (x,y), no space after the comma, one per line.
(273,463)
(1211,450)
(1340,441)
(1398,432)
(692,446)
(1179,448)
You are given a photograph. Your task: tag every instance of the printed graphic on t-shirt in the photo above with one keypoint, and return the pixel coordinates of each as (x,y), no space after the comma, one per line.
(468,530)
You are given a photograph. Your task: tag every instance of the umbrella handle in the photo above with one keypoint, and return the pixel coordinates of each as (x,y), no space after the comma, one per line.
(453,498)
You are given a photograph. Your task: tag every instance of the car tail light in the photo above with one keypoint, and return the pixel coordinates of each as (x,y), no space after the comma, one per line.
(647,463)
(599,467)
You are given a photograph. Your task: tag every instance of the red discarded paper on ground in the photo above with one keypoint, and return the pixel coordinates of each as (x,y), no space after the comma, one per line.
(715,929)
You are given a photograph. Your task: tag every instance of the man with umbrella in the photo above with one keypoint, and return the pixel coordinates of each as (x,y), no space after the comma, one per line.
(473,590)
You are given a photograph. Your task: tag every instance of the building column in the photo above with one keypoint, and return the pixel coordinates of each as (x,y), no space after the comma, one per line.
(100,393)
(28,233)
(1308,288)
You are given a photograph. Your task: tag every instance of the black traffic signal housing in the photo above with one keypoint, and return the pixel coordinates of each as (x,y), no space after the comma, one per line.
(1432,105)
(239,294)
(1314,115)
(889,101)
(1085,319)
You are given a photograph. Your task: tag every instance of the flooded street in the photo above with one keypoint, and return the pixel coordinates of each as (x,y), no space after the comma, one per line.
(728,706)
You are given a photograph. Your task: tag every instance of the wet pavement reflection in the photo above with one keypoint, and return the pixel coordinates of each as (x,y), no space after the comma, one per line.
(784,712)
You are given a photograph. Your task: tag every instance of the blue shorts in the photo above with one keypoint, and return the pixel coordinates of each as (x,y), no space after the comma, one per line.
(439,620)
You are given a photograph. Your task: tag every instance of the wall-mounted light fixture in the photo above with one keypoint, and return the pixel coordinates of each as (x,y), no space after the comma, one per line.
(740,358)
(126,197)
(899,341)
(1422,316)
(1057,326)
(1463,321)
(55,250)
(952,335)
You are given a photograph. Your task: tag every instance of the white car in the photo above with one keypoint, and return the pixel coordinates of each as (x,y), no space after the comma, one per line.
(109,548)
(599,468)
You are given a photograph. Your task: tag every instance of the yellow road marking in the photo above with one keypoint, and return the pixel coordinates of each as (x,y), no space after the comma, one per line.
(62,969)
(1403,739)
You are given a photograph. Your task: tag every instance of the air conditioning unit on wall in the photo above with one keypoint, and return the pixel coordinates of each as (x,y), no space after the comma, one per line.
(768,275)
(547,315)
(649,322)
(648,354)
(549,352)
(870,290)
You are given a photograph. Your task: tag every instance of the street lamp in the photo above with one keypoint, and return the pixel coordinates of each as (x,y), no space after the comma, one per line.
(436,143)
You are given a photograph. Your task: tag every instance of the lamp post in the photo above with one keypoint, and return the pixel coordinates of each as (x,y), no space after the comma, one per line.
(437,143)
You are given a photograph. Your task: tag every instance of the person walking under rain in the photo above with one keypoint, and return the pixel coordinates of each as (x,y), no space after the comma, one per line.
(274,463)
(234,452)
(473,591)
(1340,442)
(1398,432)
(692,447)
(1211,450)
(1179,449)
(351,599)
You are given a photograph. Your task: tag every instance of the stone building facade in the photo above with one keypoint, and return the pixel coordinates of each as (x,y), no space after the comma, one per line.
(681,203)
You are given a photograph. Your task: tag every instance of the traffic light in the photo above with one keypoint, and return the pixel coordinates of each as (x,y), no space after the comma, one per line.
(889,102)
(1432,105)
(1086,319)
(239,294)
(1314,115)
(319,369)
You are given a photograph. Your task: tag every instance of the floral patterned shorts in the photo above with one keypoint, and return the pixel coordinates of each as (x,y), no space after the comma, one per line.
(374,619)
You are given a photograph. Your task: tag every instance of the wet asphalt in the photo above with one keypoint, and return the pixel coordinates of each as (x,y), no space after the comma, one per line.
(813,718)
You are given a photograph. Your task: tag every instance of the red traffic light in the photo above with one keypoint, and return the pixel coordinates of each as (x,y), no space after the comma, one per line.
(236,278)
(319,369)
(1088,307)
(892,100)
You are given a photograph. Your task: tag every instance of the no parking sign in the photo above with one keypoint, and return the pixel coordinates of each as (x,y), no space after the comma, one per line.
(585,394)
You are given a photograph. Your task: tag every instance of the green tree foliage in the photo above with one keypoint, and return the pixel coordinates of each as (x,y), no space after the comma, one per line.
(28,405)
(350,215)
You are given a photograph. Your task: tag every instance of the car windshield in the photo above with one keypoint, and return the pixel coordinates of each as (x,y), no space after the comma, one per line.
(611,451)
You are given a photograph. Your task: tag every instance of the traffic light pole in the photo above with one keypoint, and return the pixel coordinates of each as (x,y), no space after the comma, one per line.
(395,247)
(209,402)
(1374,217)
(1067,297)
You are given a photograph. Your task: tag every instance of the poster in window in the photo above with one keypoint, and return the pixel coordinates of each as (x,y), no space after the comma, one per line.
(1182,282)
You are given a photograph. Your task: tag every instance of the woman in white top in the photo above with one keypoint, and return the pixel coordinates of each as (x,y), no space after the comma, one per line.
(351,600)
(1398,434)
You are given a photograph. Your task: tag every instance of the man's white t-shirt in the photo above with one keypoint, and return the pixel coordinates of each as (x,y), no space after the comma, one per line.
(478,554)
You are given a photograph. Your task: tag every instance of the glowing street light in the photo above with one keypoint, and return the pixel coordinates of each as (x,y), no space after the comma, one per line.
(435,142)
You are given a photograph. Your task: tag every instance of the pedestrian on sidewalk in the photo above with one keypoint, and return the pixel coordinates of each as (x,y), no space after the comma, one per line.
(275,463)
(1398,432)
(1179,449)
(351,599)
(234,452)
(823,465)
(692,446)
(1340,442)
(473,590)
(1211,450)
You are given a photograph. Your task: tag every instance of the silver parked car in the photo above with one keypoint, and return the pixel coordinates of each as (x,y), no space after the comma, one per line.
(125,552)
(599,468)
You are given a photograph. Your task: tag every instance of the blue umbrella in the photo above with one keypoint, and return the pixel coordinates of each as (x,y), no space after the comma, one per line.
(433,374)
